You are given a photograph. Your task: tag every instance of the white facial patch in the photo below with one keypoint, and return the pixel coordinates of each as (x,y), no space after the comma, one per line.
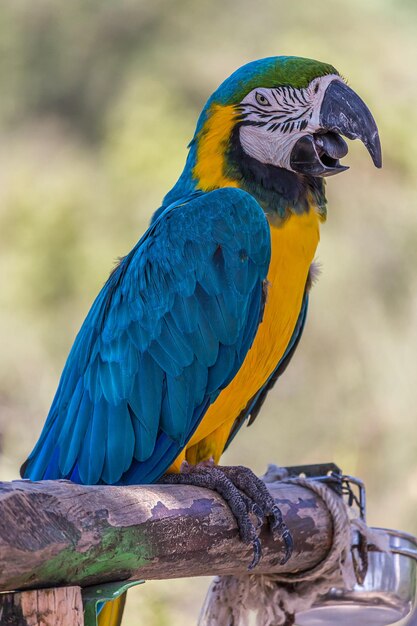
(274,119)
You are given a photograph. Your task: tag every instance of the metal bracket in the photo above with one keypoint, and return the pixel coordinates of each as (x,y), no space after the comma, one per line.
(331,474)
(314,471)
(358,499)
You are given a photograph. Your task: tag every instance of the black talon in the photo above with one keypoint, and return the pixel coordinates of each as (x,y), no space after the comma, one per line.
(257,553)
(279,528)
(276,518)
(289,545)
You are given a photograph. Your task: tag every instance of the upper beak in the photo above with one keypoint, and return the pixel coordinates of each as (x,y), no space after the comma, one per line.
(342,112)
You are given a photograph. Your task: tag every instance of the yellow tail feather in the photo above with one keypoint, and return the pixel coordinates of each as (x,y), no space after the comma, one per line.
(112,612)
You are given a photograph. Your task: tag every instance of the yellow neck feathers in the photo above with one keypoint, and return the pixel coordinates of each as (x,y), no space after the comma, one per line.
(212,143)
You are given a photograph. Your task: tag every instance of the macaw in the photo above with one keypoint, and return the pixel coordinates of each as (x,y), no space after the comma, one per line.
(198,321)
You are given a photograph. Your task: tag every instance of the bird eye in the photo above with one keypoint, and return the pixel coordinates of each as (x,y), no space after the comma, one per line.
(260,99)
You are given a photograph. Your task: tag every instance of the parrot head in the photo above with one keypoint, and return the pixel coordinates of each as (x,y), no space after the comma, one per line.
(275,127)
(287,112)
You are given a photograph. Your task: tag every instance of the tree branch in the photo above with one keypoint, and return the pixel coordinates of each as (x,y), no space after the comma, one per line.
(58,533)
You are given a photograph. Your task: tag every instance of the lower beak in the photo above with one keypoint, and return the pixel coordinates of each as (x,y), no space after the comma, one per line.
(342,112)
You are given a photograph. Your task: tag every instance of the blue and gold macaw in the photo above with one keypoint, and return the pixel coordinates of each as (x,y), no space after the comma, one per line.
(198,321)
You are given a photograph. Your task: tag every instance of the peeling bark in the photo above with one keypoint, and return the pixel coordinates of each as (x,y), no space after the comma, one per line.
(59,533)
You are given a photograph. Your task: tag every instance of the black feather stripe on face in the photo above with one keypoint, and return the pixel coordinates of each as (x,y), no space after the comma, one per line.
(281,114)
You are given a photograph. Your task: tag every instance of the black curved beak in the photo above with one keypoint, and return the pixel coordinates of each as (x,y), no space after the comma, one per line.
(342,112)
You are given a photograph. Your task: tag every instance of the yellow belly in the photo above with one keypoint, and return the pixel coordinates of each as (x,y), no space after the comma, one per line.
(293,247)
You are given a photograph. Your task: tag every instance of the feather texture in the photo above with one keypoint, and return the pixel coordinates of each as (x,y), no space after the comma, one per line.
(166,334)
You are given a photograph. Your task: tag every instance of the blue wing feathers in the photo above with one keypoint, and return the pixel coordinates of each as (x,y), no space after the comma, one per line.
(144,441)
(185,312)
(44,450)
(168,331)
(93,462)
(52,469)
(174,343)
(220,372)
(138,336)
(120,443)
(70,448)
(163,358)
(71,414)
(204,341)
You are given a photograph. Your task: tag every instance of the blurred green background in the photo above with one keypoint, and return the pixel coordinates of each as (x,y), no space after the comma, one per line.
(98,102)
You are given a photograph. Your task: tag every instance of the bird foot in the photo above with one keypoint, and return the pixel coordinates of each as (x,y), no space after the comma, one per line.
(247,497)
(256,490)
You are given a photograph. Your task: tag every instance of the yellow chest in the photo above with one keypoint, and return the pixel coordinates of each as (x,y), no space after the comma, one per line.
(293,245)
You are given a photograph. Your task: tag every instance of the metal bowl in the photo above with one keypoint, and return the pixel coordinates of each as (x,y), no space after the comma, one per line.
(386,596)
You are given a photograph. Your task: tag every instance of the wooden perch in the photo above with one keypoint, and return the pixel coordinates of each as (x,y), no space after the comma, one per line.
(56,533)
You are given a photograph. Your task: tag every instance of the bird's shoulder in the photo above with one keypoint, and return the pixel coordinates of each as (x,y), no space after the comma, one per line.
(184,237)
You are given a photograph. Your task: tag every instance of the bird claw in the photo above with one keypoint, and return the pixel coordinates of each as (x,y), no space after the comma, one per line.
(280,530)
(245,494)
(257,553)
(289,545)
(254,488)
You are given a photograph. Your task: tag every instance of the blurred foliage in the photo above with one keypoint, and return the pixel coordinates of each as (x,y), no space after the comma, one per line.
(99,100)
